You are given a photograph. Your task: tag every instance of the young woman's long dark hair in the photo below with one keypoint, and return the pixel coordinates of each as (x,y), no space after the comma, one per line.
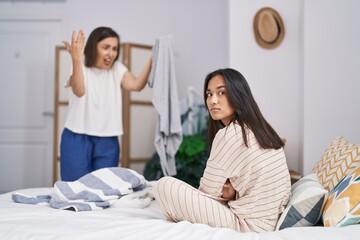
(96,36)
(247,112)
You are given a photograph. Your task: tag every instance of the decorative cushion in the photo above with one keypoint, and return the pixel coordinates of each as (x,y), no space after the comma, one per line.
(343,205)
(305,206)
(339,159)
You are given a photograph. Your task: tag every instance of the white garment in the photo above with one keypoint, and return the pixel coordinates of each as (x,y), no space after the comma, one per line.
(99,111)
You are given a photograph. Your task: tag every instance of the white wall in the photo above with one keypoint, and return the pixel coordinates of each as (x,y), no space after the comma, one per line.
(274,75)
(199,27)
(307,87)
(331,75)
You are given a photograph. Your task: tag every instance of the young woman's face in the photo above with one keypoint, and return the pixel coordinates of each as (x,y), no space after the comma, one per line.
(216,101)
(106,52)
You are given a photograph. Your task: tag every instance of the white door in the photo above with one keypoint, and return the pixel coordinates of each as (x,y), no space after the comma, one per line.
(27,50)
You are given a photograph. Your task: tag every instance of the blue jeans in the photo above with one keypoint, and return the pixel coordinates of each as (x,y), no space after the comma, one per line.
(81,154)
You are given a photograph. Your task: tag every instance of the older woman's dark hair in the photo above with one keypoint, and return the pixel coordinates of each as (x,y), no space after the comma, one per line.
(96,36)
(247,112)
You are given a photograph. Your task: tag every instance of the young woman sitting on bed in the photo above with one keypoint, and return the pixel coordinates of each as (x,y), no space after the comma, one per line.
(246,183)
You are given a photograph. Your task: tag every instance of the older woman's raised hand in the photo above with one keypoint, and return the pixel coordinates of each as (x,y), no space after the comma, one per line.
(77,46)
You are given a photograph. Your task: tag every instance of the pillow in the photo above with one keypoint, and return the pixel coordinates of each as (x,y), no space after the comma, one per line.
(305,206)
(343,205)
(339,159)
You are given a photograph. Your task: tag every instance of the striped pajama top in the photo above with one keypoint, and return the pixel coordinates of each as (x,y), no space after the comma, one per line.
(259,176)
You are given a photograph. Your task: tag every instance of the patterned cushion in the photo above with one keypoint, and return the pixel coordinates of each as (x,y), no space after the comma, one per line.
(343,206)
(338,160)
(306,203)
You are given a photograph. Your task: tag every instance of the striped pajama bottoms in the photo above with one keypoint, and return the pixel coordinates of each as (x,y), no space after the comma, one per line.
(180,201)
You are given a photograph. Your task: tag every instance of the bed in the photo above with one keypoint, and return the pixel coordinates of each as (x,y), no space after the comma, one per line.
(24,221)
(330,193)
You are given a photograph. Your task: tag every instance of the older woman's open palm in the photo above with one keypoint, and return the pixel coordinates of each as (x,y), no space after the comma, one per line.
(76,48)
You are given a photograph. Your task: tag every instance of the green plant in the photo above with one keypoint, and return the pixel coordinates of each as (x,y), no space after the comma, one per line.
(191,157)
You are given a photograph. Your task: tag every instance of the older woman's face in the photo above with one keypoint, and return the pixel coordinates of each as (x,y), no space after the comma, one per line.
(106,52)
(216,101)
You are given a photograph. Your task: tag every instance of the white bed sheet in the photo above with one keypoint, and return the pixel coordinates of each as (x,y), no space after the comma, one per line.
(22,221)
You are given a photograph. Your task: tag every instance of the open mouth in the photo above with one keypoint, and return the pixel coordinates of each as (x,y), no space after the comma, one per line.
(108,62)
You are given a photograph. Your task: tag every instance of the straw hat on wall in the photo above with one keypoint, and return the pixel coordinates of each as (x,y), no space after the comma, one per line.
(269,28)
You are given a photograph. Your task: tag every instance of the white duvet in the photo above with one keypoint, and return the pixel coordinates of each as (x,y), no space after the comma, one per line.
(124,221)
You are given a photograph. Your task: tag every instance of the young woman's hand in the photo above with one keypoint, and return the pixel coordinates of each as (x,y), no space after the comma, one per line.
(228,192)
(77,46)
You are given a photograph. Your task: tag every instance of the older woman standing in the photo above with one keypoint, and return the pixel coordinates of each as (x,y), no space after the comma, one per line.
(94,121)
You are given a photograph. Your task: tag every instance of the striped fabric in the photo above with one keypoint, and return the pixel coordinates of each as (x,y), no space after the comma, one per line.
(95,190)
(341,158)
(260,177)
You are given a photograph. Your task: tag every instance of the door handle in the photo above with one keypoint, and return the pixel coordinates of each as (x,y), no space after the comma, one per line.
(48,114)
